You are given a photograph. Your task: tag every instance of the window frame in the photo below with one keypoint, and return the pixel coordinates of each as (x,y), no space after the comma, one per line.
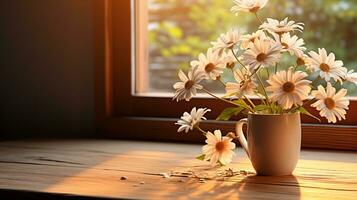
(121,115)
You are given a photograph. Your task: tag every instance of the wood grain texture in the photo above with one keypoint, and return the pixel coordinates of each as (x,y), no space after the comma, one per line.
(94,168)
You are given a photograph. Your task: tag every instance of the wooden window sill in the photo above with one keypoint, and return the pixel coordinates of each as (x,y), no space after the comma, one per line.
(81,169)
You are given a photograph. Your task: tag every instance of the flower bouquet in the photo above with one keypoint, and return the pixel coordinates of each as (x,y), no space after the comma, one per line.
(286,90)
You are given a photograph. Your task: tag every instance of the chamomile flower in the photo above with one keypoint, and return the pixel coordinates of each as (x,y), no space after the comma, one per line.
(331,104)
(190,120)
(229,60)
(248,6)
(218,148)
(289,88)
(327,66)
(292,44)
(244,84)
(247,39)
(211,64)
(227,41)
(188,86)
(351,76)
(262,53)
(280,27)
(303,60)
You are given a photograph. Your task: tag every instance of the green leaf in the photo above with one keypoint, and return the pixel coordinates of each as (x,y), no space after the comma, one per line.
(228,95)
(305,112)
(241,103)
(201,157)
(228,113)
(260,108)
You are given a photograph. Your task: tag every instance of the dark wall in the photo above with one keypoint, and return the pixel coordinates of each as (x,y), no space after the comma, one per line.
(46,68)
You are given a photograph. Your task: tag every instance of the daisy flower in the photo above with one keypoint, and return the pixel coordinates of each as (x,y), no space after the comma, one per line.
(331,104)
(188,86)
(281,27)
(248,6)
(247,39)
(190,120)
(351,76)
(226,41)
(292,44)
(289,88)
(229,60)
(303,60)
(218,148)
(212,64)
(262,53)
(327,66)
(244,85)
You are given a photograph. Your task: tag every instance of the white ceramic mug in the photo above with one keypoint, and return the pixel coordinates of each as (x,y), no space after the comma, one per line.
(273,142)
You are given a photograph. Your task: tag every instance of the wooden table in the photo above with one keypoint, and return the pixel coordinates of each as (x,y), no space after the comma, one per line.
(97,168)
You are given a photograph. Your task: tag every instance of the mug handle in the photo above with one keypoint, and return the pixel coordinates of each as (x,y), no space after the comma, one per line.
(241,137)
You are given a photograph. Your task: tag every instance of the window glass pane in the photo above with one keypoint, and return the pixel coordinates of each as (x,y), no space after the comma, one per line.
(178,30)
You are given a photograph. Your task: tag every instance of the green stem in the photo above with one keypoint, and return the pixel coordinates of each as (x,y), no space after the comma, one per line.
(255,71)
(268,73)
(305,103)
(219,98)
(262,85)
(260,97)
(239,60)
(276,68)
(219,80)
(251,102)
(256,15)
(202,131)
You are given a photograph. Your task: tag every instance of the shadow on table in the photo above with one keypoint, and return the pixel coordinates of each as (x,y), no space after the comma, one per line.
(286,187)
(250,187)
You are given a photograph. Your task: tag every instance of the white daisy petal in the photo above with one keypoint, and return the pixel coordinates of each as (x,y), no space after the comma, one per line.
(288,88)
(226,41)
(248,5)
(274,26)
(218,148)
(188,86)
(326,66)
(331,104)
(262,53)
(189,121)
(211,64)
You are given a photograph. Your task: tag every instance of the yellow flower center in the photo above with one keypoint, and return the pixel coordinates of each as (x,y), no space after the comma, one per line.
(261,57)
(285,46)
(288,87)
(300,61)
(325,67)
(209,67)
(254,9)
(220,146)
(230,65)
(330,103)
(189,84)
(280,32)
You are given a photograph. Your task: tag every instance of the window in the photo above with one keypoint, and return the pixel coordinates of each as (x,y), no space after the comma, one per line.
(168,40)
(124,36)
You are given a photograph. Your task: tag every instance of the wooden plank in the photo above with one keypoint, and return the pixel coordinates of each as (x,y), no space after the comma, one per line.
(94,168)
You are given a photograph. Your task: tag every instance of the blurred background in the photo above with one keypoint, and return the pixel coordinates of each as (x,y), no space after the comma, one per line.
(180,29)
